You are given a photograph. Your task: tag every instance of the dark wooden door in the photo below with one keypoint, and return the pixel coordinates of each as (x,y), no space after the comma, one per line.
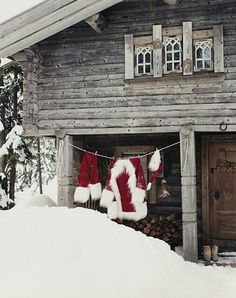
(222,190)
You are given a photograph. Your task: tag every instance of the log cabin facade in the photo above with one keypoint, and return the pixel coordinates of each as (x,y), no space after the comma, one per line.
(126,77)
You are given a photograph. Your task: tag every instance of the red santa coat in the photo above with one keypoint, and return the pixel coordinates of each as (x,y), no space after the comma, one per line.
(124,193)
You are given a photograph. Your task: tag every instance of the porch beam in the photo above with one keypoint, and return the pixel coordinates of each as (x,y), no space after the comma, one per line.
(97,22)
(189,196)
(65,170)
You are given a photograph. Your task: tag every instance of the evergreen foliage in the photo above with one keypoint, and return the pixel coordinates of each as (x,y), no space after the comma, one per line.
(24,161)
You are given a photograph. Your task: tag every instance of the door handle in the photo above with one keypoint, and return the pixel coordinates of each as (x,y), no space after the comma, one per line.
(216,195)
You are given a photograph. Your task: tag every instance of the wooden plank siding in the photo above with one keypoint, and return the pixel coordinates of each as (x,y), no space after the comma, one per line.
(82,85)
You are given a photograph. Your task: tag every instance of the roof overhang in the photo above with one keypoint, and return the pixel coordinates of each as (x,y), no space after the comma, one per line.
(44,20)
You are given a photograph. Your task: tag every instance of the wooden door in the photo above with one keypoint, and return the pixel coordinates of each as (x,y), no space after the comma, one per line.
(221,191)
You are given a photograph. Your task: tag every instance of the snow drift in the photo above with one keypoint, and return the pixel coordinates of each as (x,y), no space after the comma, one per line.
(59,252)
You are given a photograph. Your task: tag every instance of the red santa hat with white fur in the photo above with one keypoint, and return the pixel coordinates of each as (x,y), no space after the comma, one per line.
(155,166)
(88,183)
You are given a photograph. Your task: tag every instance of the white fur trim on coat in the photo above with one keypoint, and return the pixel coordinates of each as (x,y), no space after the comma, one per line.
(155,161)
(107,198)
(95,191)
(138,196)
(140,212)
(81,194)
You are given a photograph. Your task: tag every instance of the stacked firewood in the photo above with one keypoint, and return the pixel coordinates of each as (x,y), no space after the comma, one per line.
(164,227)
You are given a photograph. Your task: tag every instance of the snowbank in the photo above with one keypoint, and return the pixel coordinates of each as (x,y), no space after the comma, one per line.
(37,201)
(49,190)
(60,252)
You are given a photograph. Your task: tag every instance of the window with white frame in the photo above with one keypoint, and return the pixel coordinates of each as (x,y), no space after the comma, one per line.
(144,60)
(173,55)
(203,55)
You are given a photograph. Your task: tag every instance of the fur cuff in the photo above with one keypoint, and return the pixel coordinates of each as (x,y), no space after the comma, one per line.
(138,195)
(149,186)
(81,194)
(112,211)
(95,191)
(107,198)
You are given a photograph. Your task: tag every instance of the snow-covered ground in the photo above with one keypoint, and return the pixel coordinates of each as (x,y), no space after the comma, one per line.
(59,252)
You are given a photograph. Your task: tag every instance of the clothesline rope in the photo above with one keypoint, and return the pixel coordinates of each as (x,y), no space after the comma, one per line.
(140,156)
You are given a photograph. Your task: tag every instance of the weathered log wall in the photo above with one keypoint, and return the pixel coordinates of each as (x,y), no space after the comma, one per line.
(82,87)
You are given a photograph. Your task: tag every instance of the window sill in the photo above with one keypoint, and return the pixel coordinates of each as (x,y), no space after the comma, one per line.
(179,77)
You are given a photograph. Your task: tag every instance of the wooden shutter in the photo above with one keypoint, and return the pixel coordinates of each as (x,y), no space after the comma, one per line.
(187,49)
(129,56)
(157,51)
(218,48)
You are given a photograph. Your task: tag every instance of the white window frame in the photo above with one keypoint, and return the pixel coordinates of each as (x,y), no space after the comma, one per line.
(202,44)
(139,50)
(167,41)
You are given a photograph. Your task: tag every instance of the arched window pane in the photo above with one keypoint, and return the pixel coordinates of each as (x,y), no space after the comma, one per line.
(207,52)
(199,53)
(140,58)
(176,46)
(147,58)
(169,47)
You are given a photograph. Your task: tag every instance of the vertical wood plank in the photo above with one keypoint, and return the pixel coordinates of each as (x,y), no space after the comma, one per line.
(218,48)
(129,56)
(189,195)
(157,51)
(187,49)
(65,172)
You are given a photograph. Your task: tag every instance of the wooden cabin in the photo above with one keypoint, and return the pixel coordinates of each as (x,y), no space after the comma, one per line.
(126,77)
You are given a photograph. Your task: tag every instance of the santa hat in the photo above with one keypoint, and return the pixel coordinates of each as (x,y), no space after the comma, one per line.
(125,190)
(155,166)
(88,182)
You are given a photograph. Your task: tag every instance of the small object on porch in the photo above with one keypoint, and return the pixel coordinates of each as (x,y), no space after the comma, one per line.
(88,183)
(163,192)
(155,166)
(207,253)
(214,253)
(124,193)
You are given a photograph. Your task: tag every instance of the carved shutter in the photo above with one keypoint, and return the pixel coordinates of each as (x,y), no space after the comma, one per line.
(187,49)
(218,48)
(129,56)
(157,51)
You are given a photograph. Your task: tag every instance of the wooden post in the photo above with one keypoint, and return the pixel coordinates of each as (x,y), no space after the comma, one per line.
(189,197)
(187,49)
(157,51)
(218,48)
(129,56)
(65,170)
(29,61)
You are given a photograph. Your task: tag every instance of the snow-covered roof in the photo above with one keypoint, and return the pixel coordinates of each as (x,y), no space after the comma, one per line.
(30,24)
